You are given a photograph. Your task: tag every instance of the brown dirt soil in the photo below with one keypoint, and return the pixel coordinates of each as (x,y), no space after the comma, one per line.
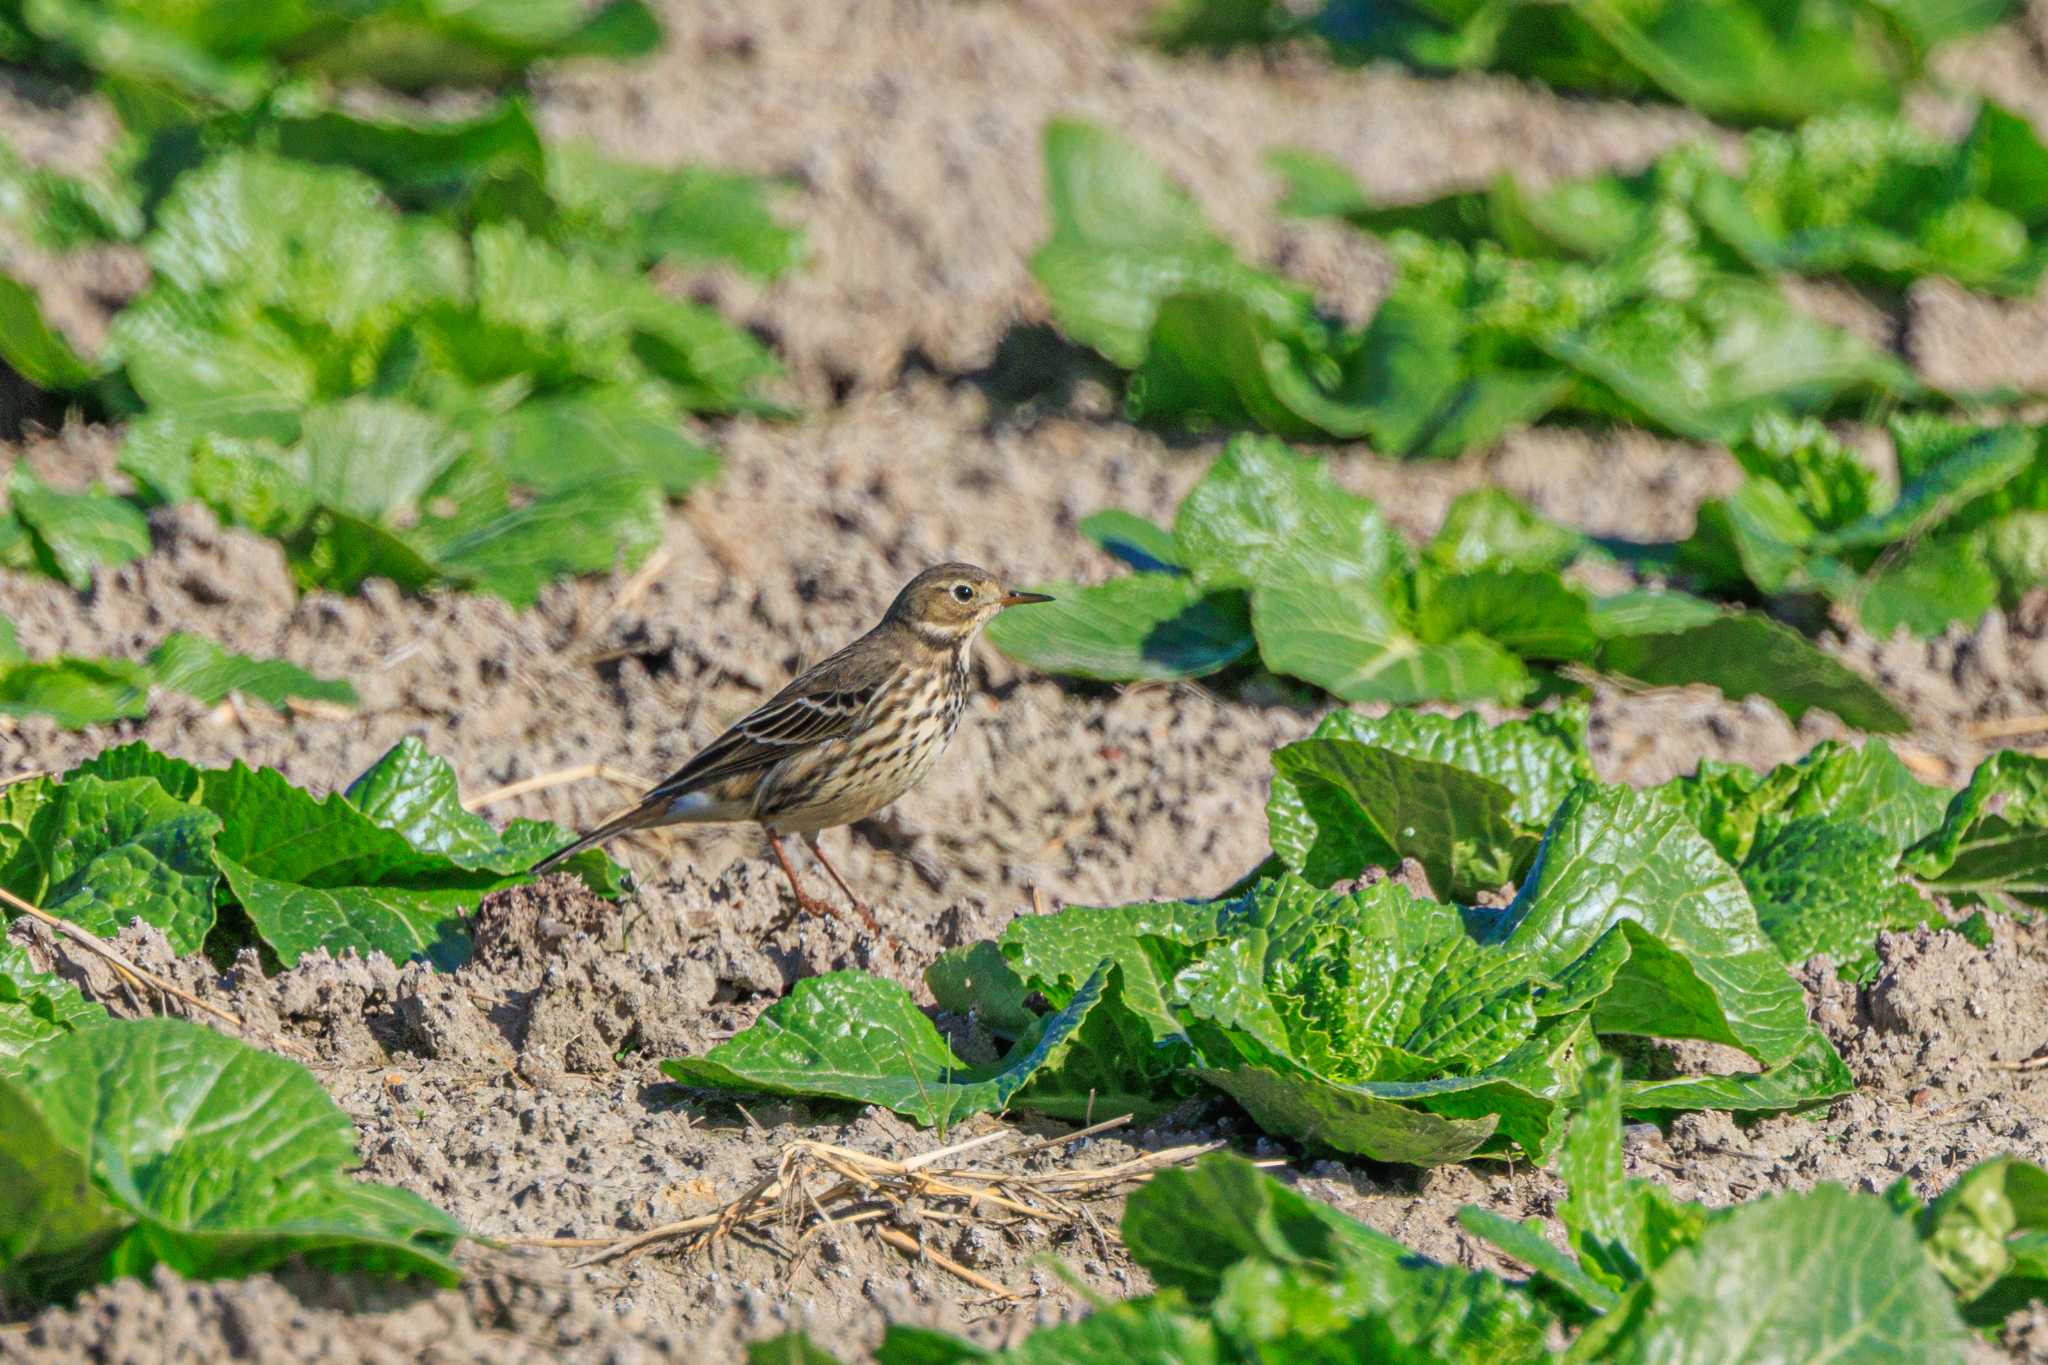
(521,1092)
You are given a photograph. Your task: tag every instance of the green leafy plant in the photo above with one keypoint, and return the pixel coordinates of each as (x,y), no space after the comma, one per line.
(1358,1016)
(1249,1270)
(1857,194)
(390,865)
(1966,530)
(233,56)
(1466,345)
(422,350)
(1268,554)
(136,1143)
(86,691)
(1749,61)
(373,389)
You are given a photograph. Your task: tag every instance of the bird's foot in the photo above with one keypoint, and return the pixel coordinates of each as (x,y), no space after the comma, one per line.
(816,905)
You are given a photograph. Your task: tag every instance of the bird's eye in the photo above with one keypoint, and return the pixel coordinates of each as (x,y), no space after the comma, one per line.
(962,593)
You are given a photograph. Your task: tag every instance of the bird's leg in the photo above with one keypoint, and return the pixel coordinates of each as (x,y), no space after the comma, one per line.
(804,898)
(818,852)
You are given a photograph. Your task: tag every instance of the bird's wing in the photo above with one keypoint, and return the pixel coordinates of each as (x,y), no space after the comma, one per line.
(815,708)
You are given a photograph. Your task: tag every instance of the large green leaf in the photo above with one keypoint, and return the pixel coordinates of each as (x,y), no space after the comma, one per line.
(1744,655)
(204,1154)
(1342,635)
(322,873)
(414,794)
(1339,807)
(100,853)
(1539,758)
(1754,1286)
(1146,626)
(1261,506)
(690,214)
(849,1036)
(1700,967)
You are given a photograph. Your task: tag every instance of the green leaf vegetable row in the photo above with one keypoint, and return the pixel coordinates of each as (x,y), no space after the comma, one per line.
(216,857)
(419,350)
(1745,61)
(1268,555)
(1644,299)
(1249,1270)
(77,691)
(1569,920)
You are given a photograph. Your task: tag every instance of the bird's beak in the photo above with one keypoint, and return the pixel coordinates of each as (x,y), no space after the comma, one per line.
(1021,599)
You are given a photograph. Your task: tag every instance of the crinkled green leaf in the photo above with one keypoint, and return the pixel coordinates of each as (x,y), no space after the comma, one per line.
(200,668)
(321,873)
(1701,965)
(1534,615)
(1146,626)
(395,919)
(414,794)
(209,1156)
(100,853)
(1815,1074)
(1291,1275)
(1827,886)
(1421,1122)
(1866,786)
(1992,843)
(35,1007)
(1539,757)
(846,1035)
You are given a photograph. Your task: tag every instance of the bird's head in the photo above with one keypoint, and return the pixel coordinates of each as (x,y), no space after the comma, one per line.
(950,602)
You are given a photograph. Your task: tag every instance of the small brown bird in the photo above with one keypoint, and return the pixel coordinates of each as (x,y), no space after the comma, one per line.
(846,737)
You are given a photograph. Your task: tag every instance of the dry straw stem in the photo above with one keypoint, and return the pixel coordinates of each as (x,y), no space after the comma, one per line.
(817,1187)
(139,978)
(560,777)
(2011,727)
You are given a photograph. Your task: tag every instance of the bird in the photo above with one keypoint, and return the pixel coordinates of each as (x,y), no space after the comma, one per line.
(846,737)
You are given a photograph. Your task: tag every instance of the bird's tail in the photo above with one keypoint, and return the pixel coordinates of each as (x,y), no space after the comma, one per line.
(646,813)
